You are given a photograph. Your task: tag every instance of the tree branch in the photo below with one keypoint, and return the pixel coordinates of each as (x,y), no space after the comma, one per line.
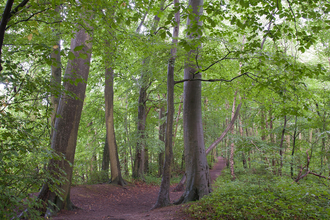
(229,126)
(4,20)
(18,7)
(216,80)
(294,17)
(315,174)
(223,58)
(27,19)
(142,21)
(299,177)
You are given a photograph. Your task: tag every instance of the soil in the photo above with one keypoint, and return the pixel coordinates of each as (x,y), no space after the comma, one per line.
(134,201)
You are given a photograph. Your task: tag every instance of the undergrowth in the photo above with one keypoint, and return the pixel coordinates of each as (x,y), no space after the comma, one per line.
(255,196)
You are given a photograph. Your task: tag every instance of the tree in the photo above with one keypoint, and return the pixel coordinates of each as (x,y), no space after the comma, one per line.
(56,74)
(139,161)
(66,126)
(197,170)
(116,176)
(164,191)
(232,145)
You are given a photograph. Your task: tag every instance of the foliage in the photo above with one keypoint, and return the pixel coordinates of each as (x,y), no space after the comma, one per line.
(255,196)
(282,45)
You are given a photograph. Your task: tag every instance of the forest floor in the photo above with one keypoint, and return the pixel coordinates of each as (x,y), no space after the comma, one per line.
(134,201)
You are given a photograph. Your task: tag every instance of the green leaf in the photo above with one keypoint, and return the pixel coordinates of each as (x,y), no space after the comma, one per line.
(83,56)
(78,48)
(163,34)
(71,56)
(302,49)
(128,22)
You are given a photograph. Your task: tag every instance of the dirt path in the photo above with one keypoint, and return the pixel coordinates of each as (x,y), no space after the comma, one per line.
(104,201)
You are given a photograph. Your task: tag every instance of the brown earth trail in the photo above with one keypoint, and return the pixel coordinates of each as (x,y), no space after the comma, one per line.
(106,201)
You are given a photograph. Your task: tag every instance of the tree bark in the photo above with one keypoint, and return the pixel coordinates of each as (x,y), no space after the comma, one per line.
(180,185)
(281,147)
(177,124)
(228,128)
(116,176)
(272,137)
(56,76)
(161,138)
(293,145)
(197,170)
(106,158)
(4,20)
(232,146)
(140,146)
(127,129)
(242,135)
(164,191)
(139,152)
(146,160)
(66,127)
(263,123)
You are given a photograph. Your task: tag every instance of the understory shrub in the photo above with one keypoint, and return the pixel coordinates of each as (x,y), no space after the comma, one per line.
(264,197)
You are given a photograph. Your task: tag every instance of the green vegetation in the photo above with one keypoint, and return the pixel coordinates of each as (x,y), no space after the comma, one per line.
(272,57)
(258,194)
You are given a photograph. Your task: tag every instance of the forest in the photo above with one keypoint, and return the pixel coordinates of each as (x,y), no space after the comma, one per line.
(155,92)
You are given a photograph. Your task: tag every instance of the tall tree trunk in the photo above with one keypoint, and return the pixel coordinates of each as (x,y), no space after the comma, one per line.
(242,135)
(323,141)
(106,158)
(139,154)
(232,146)
(127,128)
(4,20)
(164,191)
(179,187)
(116,176)
(197,170)
(263,123)
(66,127)
(177,124)
(272,137)
(146,160)
(293,145)
(281,146)
(161,138)
(56,76)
